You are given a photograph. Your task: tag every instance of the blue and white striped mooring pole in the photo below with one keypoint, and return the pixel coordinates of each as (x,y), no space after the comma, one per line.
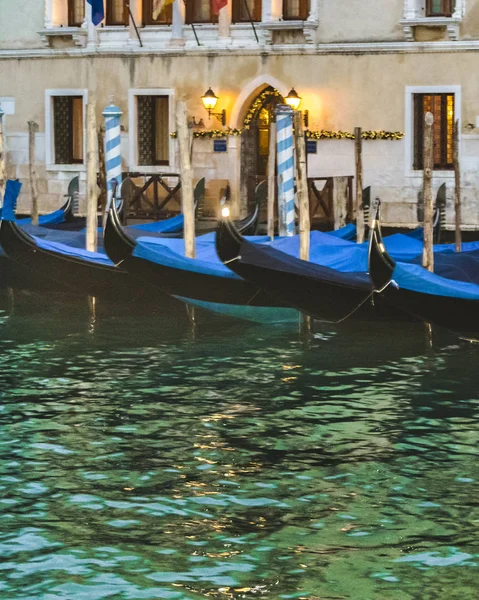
(285,156)
(112,116)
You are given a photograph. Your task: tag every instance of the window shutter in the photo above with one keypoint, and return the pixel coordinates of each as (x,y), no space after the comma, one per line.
(76,13)
(62,129)
(146,140)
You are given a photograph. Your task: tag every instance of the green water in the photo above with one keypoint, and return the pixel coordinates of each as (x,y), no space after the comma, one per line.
(144,458)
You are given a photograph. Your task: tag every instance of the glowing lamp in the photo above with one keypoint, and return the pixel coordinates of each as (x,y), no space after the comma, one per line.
(209,102)
(292,99)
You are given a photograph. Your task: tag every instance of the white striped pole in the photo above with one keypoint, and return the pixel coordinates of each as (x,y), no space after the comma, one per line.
(112,116)
(285,152)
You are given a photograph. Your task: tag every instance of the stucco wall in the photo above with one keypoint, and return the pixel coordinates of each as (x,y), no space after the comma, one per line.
(20,22)
(340,91)
(360,20)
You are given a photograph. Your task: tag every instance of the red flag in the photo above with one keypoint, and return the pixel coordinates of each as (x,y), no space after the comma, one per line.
(217,5)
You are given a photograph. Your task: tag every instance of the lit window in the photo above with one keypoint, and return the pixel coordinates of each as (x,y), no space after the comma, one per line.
(442,108)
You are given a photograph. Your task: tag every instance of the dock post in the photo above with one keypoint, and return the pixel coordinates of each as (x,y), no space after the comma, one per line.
(102,175)
(187,196)
(91,181)
(457,185)
(285,150)
(112,114)
(358,147)
(428,158)
(3,170)
(302,186)
(271,178)
(32,169)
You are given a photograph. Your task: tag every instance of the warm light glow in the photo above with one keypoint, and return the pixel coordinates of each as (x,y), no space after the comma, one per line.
(225,212)
(209,99)
(292,99)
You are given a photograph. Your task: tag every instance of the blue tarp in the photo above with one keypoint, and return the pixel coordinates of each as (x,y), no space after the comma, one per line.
(417,279)
(166,226)
(79,253)
(51,219)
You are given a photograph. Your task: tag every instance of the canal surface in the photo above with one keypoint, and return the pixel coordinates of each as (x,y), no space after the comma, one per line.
(142,458)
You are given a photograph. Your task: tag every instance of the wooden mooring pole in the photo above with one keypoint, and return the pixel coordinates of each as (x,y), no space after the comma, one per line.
(271,178)
(184,143)
(302,186)
(358,147)
(91,182)
(457,185)
(102,175)
(3,169)
(32,169)
(428,159)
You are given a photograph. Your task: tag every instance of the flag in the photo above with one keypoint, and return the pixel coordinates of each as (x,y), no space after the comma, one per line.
(158,6)
(217,5)
(97,11)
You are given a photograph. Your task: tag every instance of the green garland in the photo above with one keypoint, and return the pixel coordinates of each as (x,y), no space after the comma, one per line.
(344,135)
(257,104)
(311,135)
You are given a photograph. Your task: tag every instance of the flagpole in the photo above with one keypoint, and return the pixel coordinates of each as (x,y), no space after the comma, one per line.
(250,19)
(134,24)
(194,30)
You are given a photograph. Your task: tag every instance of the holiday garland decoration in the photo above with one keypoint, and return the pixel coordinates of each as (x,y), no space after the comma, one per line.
(257,104)
(310,135)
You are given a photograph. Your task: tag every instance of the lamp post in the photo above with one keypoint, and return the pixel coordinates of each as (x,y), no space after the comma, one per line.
(293,100)
(209,102)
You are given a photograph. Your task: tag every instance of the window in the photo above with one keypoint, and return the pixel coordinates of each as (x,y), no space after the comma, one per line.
(442,108)
(153,130)
(439,8)
(295,10)
(68,129)
(164,18)
(199,11)
(243,10)
(116,12)
(76,13)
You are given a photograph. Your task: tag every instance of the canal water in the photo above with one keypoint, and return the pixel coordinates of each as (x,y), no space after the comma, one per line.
(144,457)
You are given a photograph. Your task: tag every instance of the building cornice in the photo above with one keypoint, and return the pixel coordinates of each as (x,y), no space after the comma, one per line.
(261,50)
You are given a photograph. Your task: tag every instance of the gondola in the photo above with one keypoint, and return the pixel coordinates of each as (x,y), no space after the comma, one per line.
(324,293)
(41,262)
(204,281)
(449,297)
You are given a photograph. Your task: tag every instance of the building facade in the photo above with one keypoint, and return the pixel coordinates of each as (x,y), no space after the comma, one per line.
(375,64)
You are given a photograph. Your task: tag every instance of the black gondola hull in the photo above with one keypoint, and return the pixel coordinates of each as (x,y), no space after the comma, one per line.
(320,292)
(67,274)
(456,314)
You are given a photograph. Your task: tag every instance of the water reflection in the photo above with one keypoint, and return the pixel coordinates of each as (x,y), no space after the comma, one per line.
(138,460)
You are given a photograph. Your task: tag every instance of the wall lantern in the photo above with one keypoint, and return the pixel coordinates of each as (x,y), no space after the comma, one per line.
(209,102)
(293,100)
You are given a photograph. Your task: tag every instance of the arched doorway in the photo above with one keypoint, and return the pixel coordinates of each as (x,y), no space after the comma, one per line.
(255,142)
